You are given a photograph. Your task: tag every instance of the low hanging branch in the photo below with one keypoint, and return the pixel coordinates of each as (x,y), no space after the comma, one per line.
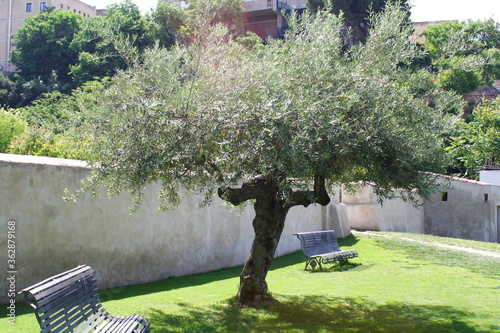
(264,185)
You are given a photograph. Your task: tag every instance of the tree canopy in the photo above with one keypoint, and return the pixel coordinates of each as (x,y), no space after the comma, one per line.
(103,42)
(42,45)
(356,12)
(465,54)
(273,125)
(477,143)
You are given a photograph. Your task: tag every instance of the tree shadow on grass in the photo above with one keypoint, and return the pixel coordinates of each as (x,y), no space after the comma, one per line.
(187,281)
(315,313)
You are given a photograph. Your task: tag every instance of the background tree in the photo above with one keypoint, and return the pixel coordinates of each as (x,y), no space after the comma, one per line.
(104,43)
(252,126)
(465,54)
(228,12)
(168,19)
(356,13)
(42,46)
(9,91)
(477,143)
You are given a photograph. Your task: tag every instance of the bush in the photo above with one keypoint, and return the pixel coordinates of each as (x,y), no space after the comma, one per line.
(39,141)
(10,127)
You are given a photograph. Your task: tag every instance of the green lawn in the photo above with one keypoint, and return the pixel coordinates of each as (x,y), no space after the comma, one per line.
(394,286)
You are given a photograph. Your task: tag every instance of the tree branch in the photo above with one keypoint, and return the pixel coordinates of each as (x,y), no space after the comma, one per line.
(319,194)
(247,191)
(261,186)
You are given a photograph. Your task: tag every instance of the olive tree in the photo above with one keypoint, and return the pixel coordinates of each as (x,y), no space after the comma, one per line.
(272,126)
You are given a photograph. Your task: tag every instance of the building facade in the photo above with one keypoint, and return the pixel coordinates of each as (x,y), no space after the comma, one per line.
(14,12)
(264,17)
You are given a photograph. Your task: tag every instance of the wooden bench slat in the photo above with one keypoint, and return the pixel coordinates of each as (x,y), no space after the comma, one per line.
(69,302)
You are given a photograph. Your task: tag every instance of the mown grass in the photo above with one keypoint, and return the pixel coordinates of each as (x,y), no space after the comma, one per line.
(394,286)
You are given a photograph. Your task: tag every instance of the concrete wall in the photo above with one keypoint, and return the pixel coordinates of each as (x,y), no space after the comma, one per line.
(53,235)
(464,209)
(394,215)
(460,209)
(490,177)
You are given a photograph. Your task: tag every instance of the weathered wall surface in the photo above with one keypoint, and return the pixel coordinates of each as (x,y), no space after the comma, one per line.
(53,235)
(461,209)
(394,215)
(464,209)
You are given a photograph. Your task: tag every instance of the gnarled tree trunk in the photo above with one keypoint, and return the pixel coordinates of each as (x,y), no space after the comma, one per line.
(270,214)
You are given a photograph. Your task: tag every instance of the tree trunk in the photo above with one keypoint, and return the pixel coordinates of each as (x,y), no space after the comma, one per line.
(271,209)
(268,225)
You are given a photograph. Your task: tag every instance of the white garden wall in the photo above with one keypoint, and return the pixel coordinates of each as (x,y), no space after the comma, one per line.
(53,235)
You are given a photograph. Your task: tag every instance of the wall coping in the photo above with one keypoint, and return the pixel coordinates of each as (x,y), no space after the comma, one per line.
(43,160)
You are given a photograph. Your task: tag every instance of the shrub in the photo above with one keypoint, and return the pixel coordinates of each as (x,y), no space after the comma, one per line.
(10,127)
(39,141)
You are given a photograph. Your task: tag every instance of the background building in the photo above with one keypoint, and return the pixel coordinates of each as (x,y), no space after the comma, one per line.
(264,17)
(14,12)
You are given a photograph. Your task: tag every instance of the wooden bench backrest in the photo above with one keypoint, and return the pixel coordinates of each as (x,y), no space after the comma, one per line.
(318,242)
(64,302)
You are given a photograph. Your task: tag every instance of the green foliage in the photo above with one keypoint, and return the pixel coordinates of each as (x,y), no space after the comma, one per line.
(126,18)
(106,44)
(168,19)
(55,124)
(251,40)
(51,109)
(227,12)
(492,67)
(356,13)
(9,92)
(466,51)
(439,38)
(10,127)
(215,112)
(461,38)
(478,143)
(39,141)
(42,45)
(459,80)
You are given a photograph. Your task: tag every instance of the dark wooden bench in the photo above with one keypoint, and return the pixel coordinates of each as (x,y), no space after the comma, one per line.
(68,302)
(322,248)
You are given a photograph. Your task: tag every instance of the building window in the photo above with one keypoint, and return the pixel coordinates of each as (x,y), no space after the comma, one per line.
(29,7)
(43,6)
(61,6)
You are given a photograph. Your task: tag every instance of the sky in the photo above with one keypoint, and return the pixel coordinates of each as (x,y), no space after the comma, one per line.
(422,10)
